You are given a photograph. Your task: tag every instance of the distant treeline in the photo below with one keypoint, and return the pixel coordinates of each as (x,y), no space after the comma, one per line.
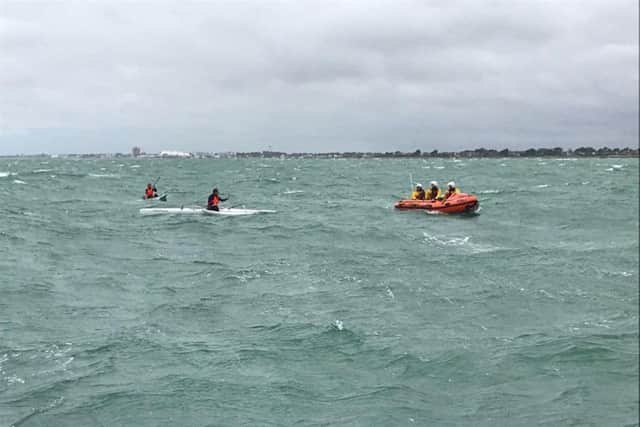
(480,152)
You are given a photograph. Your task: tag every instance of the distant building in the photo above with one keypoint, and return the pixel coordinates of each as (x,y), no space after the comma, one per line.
(172,153)
(136,151)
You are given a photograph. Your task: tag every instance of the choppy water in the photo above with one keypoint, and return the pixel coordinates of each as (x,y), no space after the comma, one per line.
(337,310)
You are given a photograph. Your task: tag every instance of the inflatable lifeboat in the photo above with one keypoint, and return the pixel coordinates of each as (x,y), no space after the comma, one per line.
(457,203)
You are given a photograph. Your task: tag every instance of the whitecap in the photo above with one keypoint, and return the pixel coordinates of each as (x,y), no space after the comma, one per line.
(5,174)
(17,181)
(15,380)
(292,192)
(547,294)
(102,175)
(454,241)
(338,325)
(438,167)
(609,169)
(42,170)
(390,293)
(489,192)
(542,186)
(463,243)
(134,166)
(621,273)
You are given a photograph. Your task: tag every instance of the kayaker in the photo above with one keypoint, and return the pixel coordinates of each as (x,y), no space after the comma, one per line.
(451,190)
(434,191)
(150,192)
(419,193)
(214,199)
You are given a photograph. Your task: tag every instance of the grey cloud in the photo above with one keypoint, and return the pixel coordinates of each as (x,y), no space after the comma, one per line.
(319,75)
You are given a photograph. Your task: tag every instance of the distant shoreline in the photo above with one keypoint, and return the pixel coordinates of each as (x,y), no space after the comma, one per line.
(582,152)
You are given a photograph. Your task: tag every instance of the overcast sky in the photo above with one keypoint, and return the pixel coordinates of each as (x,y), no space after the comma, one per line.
(325,75)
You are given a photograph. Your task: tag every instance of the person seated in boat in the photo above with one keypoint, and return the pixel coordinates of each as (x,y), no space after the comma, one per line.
(451,190)
(214,199)
(419,193)
(150,192)
(433,193)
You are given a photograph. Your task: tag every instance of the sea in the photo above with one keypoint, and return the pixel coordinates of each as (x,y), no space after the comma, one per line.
(337,310)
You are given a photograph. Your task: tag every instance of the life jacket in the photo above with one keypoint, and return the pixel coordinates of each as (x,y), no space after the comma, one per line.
(451,193)
(433,195)
(418,195)
(149,193)
(214,200)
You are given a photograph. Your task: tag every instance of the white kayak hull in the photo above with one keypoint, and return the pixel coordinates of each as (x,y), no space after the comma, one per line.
(170,211)
(196,210)
(161,198)
(236,211)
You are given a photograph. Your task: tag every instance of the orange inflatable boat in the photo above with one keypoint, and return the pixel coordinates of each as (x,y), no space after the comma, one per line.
(457,203)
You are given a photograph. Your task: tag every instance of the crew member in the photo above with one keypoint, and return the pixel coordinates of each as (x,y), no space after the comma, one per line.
(434,191)
(419,193)
(214,199)
(451,190)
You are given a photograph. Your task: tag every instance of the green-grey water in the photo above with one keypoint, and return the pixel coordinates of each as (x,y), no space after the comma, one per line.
(336,310)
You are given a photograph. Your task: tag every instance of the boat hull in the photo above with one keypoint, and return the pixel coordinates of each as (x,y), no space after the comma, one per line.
(458,203)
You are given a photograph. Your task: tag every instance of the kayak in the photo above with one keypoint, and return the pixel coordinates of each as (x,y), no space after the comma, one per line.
(198,210)
(170,211)
(457,203)
(162,198)
(236,211)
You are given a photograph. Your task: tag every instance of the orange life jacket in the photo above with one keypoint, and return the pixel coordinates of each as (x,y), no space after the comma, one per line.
(149,193)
